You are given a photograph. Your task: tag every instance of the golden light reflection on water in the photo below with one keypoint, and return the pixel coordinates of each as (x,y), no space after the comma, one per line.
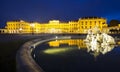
(70,42)
(56,44)
(56,50)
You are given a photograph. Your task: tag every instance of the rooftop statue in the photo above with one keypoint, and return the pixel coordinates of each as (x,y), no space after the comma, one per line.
(99,42)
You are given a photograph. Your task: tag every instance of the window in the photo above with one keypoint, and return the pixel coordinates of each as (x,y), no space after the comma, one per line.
(90,22)
(86,23)
(95,22)
(90,27)
(99,22)
(82,27)
(82,22)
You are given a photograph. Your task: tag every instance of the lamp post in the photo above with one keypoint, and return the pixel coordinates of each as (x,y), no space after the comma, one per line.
(20,30)
(32,27)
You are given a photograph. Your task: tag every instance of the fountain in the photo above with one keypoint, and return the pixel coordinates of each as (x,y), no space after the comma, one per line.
(98,42)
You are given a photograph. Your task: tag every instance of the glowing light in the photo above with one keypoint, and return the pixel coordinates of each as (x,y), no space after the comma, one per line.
(54,22)
(99,42)
(20,29)
(56,50)
(32,25)
(118,43)
(56,37)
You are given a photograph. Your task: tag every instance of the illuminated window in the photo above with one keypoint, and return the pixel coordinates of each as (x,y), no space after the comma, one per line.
(99,22)
(90,26)
(82,22)
(86,23)
(82,27)
(90,22)
(95,22)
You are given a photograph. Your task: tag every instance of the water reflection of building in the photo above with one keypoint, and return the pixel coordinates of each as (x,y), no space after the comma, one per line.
(71,42)
(55,26)
(80,43)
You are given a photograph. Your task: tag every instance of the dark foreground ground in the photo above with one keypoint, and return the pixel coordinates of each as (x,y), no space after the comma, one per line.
(9,44)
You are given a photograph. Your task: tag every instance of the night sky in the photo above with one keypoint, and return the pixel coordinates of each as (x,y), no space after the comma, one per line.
(63,10)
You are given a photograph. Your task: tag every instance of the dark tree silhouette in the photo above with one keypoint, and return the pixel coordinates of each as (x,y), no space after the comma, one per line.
(114,23)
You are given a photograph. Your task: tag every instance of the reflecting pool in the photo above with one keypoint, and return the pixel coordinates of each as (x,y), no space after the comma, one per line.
(72,55)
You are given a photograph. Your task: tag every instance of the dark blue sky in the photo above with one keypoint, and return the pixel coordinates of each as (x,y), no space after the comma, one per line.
(64,10)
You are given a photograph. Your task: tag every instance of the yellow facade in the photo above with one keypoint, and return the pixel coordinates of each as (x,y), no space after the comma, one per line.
(3,31)
(118,25)
(35,27)
(18,27)
(23,27)
(89,23)
(55,26)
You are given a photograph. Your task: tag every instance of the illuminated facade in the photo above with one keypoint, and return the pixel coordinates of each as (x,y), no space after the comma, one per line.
(55,26)
(17,27)
(114,29)
(3,31)
(89,23)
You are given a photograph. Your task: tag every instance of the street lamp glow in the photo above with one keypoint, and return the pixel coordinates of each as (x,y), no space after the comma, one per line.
(56,37)
(32,25)
(20,29)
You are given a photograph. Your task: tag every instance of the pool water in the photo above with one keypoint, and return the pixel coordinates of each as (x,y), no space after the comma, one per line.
(72,56)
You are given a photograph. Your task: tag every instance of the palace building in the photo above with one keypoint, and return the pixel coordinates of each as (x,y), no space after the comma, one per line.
(86,23)
(55,26)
